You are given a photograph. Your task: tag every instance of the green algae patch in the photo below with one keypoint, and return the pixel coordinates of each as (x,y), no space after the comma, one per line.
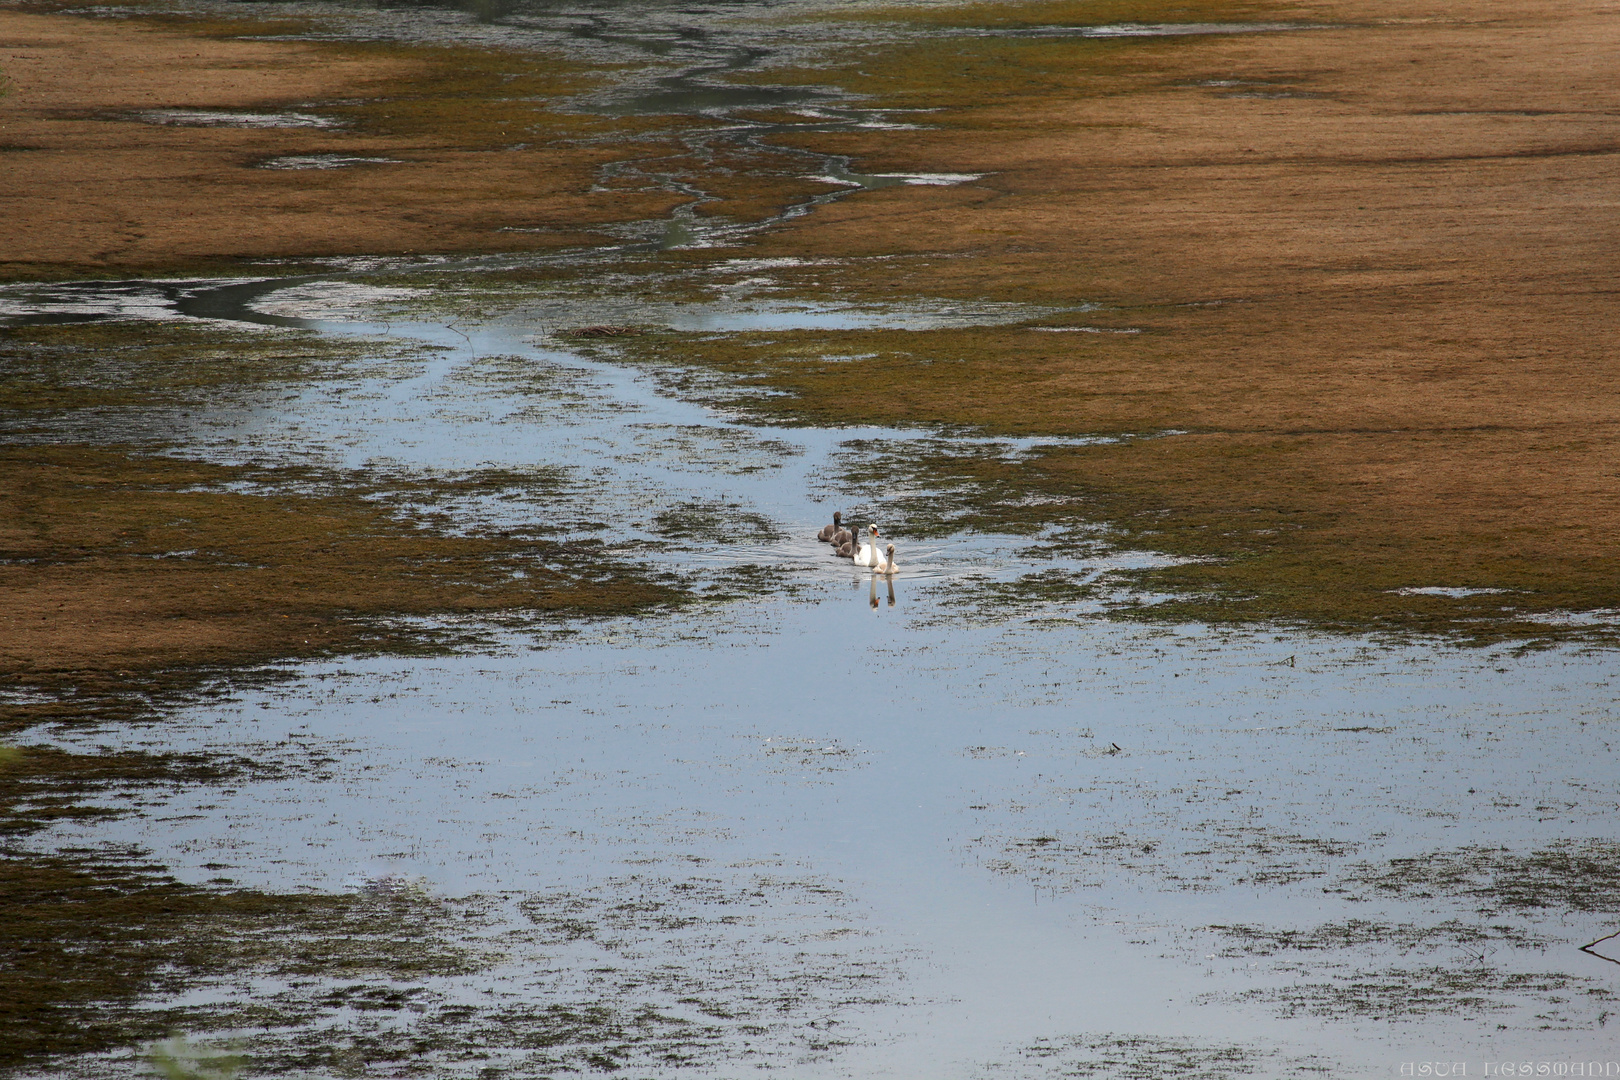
(43,785)
(1246,941)
(714,521)
(1495,912)
(54,371)
(1220,855)
(1401,993)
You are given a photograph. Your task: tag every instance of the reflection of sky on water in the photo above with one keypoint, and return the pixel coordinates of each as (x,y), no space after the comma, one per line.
(1026,822)
(901,753)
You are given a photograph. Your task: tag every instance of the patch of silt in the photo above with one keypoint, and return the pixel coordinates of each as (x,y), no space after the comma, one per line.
(1143,1057)
(1206,858)
(1506,959)
(1568,876)
(101,950)
(1548,999)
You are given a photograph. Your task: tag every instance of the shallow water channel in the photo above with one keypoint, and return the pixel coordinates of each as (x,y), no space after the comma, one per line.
(854,827)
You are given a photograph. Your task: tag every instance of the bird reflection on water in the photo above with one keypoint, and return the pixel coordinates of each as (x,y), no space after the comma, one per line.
(872,594)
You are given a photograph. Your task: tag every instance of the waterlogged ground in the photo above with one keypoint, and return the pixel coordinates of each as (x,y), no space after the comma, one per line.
(982,820)
(960,824)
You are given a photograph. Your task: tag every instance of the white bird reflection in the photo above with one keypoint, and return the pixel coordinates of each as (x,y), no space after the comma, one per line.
(872,593)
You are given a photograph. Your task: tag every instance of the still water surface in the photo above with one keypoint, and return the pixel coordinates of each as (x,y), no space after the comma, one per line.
(909,835)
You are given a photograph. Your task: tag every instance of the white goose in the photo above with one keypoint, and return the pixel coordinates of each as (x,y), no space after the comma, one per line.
(886,564)
(868,554)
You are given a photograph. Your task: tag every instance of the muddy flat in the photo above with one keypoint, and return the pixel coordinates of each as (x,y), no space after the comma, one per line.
(134,146)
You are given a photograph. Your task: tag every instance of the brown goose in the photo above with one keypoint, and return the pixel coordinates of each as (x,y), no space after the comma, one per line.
(827,531)
(846,550)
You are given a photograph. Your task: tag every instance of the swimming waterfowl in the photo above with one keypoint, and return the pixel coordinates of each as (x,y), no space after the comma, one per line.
(886,565)
(868,554)
(842,537)
(846,550)
(827,531)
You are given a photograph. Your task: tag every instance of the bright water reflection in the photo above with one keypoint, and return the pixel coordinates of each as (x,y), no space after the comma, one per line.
(947,841)
(1017,832)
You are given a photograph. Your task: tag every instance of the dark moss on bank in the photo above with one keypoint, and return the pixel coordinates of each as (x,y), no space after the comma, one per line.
(1411,993)
(101,369)
(714,521)
(43,785)
(1244,941)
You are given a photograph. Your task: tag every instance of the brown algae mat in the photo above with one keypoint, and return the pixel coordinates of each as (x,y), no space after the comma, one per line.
(149,145)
